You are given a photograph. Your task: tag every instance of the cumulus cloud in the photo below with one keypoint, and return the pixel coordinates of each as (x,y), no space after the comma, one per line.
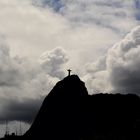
(123,63)
(10,75)
(34,29)
(118,71)
(24,84)
(52,62)
(31,28)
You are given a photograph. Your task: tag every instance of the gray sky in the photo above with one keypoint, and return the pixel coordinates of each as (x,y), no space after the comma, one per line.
(39,39)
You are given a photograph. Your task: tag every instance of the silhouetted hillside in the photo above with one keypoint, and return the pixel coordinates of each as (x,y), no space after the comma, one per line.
(69,113)
(62,113)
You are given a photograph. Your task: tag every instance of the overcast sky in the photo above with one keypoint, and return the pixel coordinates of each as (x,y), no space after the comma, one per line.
(39,39)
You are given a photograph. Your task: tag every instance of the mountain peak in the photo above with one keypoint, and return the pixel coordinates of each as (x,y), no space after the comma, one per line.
(61,104)
(70,86)
(70,80)
(72,77)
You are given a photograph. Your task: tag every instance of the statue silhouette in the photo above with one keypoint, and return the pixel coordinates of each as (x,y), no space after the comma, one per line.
(69,71)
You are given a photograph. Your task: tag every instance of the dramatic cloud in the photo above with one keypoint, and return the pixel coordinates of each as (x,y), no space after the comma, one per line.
(17,110)
(52,62)
(109,13)
(10,75)
(85,36)
(35,27)
(119,70)
(96,76)
(123,63)
(24,84)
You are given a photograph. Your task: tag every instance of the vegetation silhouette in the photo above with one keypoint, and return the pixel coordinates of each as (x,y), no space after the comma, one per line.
(69,113)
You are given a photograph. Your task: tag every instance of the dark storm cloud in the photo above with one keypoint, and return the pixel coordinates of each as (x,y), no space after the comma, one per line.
(119,71)
(124,63)
(16,110)
(20,107)
(23,84)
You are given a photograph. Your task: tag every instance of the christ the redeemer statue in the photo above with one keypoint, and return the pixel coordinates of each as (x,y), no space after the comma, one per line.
(69,71)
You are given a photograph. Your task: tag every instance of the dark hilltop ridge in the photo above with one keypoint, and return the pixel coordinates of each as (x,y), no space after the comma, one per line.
(69,113)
